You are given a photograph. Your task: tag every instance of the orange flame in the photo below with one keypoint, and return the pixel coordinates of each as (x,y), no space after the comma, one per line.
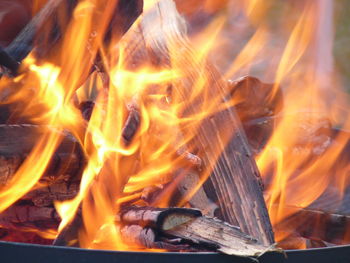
(298,162)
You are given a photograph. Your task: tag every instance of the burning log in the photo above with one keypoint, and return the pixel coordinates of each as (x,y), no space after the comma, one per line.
(23,236)
(214,233)
(188,183)
(126,12)
(157,217)
(257,104)
(54,191)
(139,237)
(235,181)
(145,225)
(28,216)
(255,99)
(23,43)
(17,141)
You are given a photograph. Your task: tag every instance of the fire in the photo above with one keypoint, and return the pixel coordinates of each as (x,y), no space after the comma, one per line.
(298,164)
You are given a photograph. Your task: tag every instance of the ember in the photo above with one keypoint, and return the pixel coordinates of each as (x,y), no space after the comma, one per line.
(119,133)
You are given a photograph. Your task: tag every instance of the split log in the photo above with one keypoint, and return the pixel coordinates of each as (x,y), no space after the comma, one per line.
(214,233)
(188,182)
(157,217)
(144,225)
(235,177)
(16,143)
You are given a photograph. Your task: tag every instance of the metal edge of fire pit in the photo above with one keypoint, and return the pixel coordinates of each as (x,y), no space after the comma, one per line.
(18,253)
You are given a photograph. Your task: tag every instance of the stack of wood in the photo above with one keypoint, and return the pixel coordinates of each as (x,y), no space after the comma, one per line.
(233,193)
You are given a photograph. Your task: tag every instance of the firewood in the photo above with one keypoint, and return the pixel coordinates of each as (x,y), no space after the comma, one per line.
(188,183)
(255,99)
(132,123)
(136,235)
(29,216)
(17,141)
(235,178)
(257,105)
(139,237)
(55,191)
(317,224)
(22,45)
(23,236)
(146,225)
(69,234)
(126,12)
(214,233)
(160,218)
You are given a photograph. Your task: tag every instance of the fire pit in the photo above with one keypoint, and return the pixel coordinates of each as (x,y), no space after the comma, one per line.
(15,252)
(119,134)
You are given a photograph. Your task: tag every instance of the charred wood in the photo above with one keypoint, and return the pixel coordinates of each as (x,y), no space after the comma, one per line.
(29,216)
(316,225)
(17,141)
(24,236)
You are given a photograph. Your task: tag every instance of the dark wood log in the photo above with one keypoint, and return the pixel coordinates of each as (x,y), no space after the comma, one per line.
(20,216)
(314,224)
(235,179)
(55,191)
(23,43)
(17,141)
(126,12)
(25,236)
(69,235)
(217,234)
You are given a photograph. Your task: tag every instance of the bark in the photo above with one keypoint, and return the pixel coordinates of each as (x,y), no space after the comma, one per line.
(29,216)
(139,237)
(57,191)
(159,218)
